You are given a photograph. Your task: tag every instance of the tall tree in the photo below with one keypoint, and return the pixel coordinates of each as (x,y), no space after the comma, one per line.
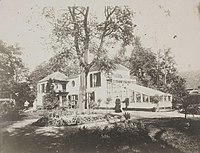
(156,71)
(81,34)
(142,64)
(12,68)
(166,66)
(22,92)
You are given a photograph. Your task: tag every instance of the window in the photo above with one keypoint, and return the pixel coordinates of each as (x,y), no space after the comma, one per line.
(64,87)
(165,98)
(73,101)
(95,79)
(133,97)
(56,85)
(43,88)
(73,83)
(145,98)
(169,98)
(73,97)
(138,98)
(91,96)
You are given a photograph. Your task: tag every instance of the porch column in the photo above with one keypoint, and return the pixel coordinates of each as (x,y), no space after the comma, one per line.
(60,97)
(163,98)
(134,94)
(141,96)
(148,99)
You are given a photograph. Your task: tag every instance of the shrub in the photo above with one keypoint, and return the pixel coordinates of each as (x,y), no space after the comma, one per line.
(8,110)
(190,104)
(108,139)
(56,119)
(99,102)
(155,99)
(42,121)
(108,100)
(154,109)
(50,99)
(127,115)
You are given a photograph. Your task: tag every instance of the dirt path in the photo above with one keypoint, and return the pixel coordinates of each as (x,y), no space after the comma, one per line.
(23,137)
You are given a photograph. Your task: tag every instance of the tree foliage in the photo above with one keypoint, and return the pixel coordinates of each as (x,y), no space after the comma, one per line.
(78,31)
(143,65)
(80,34)
(198,7)
(23,92)
(190,104)
(156,70)
(12,69)
(50,99)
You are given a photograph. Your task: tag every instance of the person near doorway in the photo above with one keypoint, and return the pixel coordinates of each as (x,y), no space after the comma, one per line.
(118,105)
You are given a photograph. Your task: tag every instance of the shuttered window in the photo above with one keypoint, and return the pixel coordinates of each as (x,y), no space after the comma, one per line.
(91,80)
(95,79)
(43,88)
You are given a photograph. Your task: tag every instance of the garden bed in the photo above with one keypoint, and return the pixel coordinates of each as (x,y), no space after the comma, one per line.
(72,120)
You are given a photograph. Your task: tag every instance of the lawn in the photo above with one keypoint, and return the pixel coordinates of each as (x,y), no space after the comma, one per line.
(144,135)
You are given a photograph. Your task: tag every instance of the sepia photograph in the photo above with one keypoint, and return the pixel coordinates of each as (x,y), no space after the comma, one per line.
(110,76)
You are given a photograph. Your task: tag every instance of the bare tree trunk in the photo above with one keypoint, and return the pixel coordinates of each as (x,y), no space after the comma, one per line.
(81,92)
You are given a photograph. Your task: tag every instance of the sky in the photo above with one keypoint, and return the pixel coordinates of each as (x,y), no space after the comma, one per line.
(161,24)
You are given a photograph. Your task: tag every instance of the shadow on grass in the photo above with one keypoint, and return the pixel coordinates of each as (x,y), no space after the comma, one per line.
(33,139)
(180,133)
(122,138)
(189,126)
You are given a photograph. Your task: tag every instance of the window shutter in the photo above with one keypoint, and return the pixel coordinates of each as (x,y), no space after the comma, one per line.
(90,80)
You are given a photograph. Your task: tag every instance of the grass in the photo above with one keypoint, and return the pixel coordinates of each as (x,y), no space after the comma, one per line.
(180,133)
(166,135)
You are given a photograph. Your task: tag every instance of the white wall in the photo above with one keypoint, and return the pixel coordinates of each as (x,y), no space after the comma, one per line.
(40,94)
(73,89)
(100,92)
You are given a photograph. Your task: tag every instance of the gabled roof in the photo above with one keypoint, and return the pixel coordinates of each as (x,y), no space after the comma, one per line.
(118,67)
(73,77)
(56,76)
(121,67)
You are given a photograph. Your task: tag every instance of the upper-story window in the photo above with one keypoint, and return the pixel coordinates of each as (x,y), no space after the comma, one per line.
(95,79)
(73,83)
(64,87)
(43,88)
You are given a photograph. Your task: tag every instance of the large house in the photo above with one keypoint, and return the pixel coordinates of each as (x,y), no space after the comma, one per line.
(101,87)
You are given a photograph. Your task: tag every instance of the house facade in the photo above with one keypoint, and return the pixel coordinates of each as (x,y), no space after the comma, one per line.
(101,87)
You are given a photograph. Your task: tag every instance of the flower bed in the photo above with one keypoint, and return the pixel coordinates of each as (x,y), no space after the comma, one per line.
(69,120)
(57,118)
